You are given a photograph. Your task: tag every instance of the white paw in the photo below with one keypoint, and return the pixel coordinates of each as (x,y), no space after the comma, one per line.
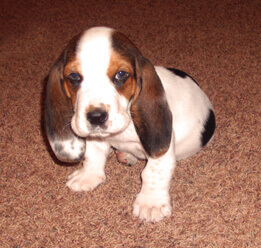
(84,180)
(150,208)
(126,158)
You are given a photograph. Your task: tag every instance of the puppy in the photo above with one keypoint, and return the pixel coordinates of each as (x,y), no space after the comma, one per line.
(102,93)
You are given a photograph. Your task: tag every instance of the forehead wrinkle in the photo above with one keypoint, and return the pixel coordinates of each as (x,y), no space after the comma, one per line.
(72,66)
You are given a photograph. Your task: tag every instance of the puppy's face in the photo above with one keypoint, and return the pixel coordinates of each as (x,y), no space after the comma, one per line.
(100,79)
(99,84)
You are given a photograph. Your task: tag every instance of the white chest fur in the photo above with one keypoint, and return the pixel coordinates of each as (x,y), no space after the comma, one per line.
(128,141)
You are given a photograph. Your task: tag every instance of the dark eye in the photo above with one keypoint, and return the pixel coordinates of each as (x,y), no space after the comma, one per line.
(120,77)
(75,79)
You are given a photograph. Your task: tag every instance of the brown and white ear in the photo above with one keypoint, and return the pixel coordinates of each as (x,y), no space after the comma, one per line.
(150,110)
(58,114)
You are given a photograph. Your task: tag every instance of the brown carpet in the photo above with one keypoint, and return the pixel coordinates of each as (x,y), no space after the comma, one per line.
(215,194)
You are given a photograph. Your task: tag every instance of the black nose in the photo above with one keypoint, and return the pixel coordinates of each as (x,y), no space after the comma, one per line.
(97,117)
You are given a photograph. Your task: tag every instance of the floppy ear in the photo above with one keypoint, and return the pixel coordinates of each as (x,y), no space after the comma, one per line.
(150,111)
(58,113)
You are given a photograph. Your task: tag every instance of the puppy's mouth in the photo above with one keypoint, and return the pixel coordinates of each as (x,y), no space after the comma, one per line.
(99,130)
(105,131)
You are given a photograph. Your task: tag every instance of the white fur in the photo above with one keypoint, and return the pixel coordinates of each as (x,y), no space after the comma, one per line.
(189,106)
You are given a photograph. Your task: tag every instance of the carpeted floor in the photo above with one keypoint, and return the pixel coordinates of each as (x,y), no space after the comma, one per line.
(215,194)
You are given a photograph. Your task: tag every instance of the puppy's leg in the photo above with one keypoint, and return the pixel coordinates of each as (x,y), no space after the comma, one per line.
(153,202)
(92,172)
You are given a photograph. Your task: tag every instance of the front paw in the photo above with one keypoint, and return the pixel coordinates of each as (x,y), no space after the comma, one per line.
(84,180)
(151,208)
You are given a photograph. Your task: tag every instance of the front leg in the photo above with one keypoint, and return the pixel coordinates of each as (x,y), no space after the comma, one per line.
(92,172)
(153,202)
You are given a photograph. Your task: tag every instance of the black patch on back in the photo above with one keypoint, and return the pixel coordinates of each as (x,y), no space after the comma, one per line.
(178,72)
(209,128)
(181,74)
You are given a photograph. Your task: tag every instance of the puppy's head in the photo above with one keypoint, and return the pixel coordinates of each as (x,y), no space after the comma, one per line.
(99,84)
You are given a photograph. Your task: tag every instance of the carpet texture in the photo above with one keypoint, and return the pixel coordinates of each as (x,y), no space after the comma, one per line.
(215,194)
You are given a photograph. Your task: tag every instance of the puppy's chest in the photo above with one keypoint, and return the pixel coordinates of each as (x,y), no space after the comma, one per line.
(128,141)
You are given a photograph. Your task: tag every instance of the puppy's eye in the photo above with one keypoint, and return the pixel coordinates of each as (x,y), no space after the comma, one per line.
(120,77)
(75,79)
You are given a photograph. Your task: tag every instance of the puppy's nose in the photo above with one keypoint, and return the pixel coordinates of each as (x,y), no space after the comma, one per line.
(97,117)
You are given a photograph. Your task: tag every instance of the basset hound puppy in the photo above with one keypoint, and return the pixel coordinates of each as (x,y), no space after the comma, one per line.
(102,93)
